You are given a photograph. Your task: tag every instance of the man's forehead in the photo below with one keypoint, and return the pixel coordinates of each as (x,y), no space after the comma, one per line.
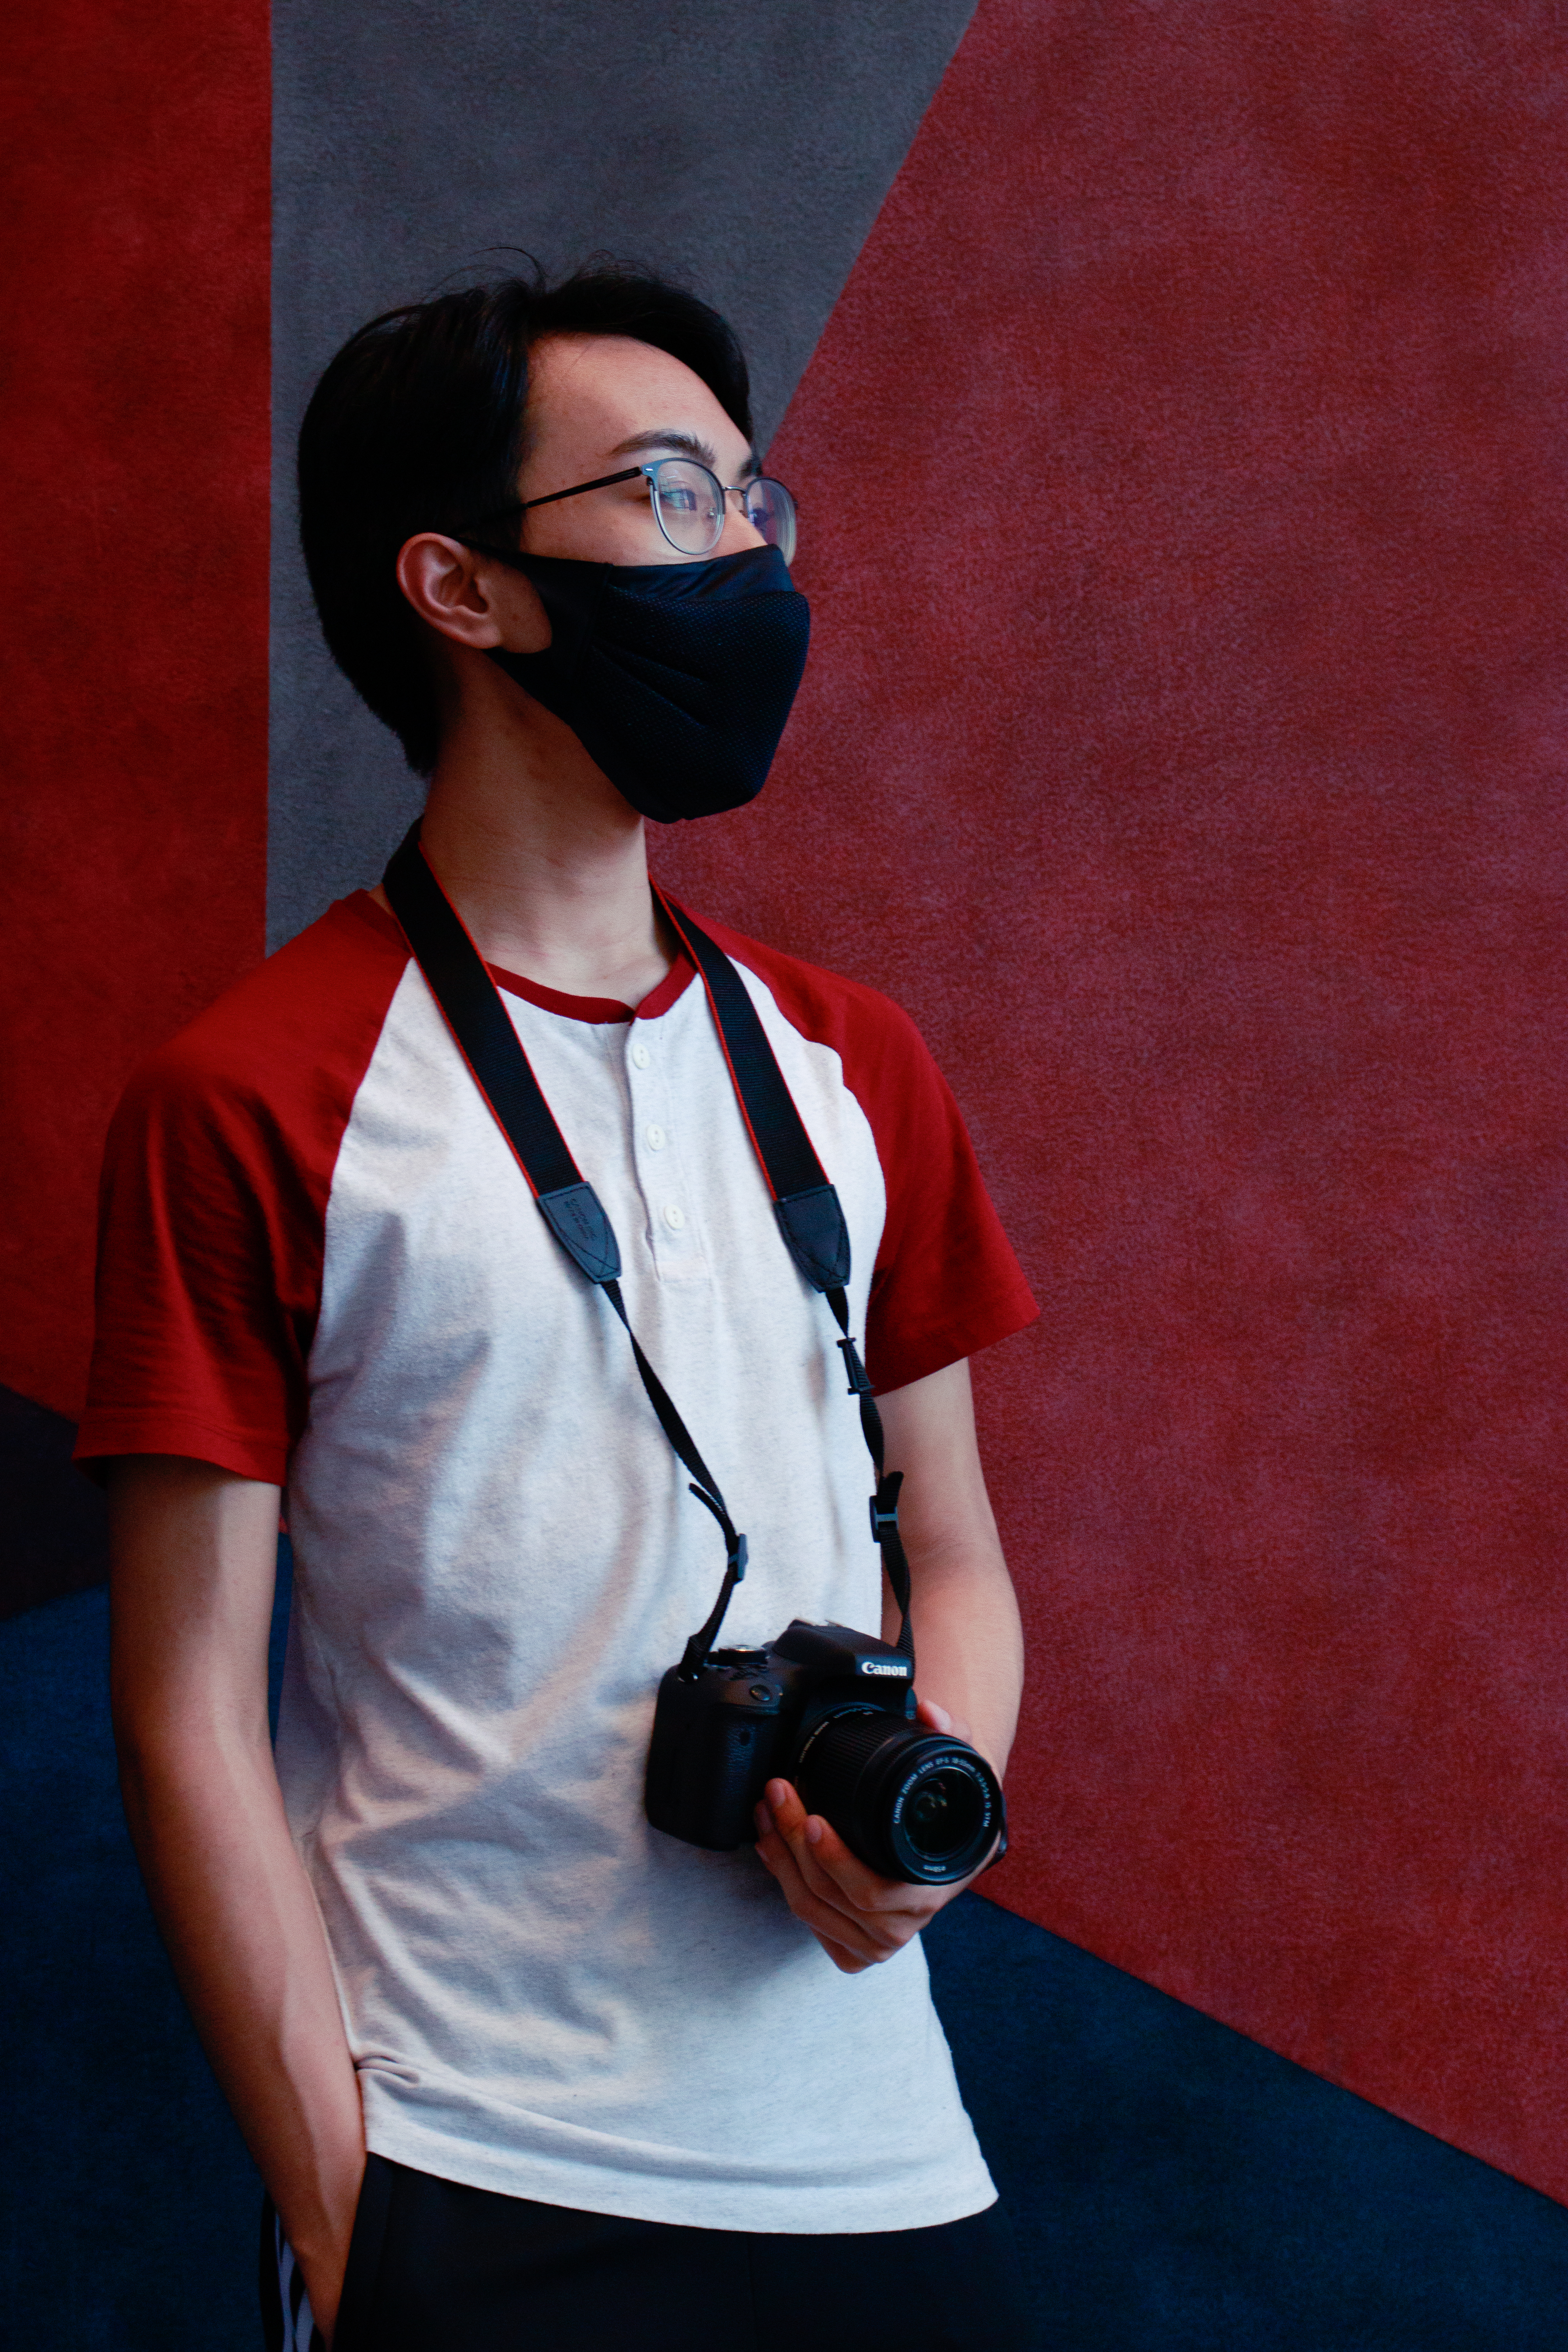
(627,398)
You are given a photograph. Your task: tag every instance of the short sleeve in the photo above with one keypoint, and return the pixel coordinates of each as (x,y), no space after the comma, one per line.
(212,1205)
(206,1304)
(946,1282)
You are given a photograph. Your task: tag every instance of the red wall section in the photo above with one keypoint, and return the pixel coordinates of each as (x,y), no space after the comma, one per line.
(134,412)
(1182,498)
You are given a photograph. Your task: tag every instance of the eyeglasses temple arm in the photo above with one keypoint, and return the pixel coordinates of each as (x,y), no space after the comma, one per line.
(628,474)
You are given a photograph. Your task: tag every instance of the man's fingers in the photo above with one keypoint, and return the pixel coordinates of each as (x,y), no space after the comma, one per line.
(824,1860)
(839,1935)
(846,1962)
(841,1877)
(826,1866)
(838,1876)
(829,1889)
(831,1919)
(937,1718)
(857,1917)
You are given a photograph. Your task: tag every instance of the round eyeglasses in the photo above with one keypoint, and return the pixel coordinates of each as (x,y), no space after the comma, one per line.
(690,504)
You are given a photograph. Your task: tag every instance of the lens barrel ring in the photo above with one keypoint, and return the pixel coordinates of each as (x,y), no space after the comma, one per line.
(913,1804)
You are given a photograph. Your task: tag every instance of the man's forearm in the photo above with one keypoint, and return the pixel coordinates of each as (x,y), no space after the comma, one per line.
(241,1925)
(969,1649)
(193,1554)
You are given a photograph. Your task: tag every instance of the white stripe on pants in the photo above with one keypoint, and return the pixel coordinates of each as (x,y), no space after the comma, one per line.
(301,2333)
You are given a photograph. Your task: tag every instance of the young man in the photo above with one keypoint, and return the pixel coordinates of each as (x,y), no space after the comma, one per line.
(615,2088)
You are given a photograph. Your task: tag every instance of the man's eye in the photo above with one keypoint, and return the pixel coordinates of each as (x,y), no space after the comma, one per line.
(680,501)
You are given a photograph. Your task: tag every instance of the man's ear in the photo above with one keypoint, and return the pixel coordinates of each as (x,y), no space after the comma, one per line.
(470,598)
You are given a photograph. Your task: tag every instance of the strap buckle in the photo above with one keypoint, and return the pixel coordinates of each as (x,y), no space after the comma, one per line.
(883,1506)
(859,1383)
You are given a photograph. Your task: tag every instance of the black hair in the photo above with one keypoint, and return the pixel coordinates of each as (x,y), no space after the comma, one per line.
(417,425)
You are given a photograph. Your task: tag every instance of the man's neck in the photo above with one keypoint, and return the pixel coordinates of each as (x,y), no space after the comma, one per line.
(545,862)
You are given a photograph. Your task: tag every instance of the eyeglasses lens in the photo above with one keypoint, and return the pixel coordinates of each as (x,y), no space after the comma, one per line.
(771,510)
(688,504)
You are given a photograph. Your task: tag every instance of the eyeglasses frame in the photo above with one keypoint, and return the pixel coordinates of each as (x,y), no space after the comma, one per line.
(727,490)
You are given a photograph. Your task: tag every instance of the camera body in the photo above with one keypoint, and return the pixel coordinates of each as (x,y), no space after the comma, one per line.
(833,1711)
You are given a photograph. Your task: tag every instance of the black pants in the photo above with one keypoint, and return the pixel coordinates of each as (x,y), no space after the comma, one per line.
(436,2267)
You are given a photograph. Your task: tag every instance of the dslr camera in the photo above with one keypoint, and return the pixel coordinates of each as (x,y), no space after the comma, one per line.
(833,1711)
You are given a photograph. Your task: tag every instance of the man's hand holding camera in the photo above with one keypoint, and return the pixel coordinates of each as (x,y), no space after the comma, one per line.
(857,1917)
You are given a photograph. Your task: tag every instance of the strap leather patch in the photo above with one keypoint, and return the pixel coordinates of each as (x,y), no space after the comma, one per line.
(576,1218)
(816,1236)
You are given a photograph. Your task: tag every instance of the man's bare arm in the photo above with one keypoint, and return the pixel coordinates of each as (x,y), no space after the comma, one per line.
(969,1644)
(193,1555)
(969,1666)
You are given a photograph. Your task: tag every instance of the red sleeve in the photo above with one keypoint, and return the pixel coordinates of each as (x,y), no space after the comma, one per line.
(213,1206)
(946,1283)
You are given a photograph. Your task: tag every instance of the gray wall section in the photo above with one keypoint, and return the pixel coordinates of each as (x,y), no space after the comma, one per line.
(746,149)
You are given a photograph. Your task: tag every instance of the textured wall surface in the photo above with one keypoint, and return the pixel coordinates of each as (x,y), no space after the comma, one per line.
(1183,745)
(134,410)
(745,150)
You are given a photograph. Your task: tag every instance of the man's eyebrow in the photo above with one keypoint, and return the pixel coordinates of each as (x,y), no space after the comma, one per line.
(685,445)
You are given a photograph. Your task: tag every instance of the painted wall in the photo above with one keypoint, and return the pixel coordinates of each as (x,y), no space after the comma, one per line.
(1183,519)
(134,418)
(1184,510)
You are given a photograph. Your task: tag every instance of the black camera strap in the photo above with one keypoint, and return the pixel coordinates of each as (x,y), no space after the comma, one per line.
(810,1214)
(810,1217)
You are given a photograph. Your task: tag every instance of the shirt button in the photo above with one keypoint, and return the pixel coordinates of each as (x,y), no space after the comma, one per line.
(674,1218)
(656,1138)
(641,1057)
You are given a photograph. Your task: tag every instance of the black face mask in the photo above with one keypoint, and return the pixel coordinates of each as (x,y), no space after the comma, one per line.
(677,679)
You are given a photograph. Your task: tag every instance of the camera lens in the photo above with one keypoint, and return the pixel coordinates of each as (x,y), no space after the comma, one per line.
(944,1815)
(913,1804)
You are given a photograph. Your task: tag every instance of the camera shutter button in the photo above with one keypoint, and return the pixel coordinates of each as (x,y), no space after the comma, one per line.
(761,1690)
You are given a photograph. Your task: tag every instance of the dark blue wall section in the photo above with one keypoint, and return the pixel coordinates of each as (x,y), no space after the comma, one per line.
(1178,2188)
(129,2218)
(1175,2188)
(53,1529)
(128,2211)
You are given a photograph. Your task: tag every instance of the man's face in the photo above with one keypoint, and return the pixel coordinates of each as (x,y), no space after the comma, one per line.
(597,403)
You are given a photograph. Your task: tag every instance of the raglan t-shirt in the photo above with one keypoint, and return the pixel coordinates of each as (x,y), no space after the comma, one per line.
(320,1266)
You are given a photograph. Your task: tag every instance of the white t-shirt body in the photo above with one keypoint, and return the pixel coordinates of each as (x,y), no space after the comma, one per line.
(496,1557)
